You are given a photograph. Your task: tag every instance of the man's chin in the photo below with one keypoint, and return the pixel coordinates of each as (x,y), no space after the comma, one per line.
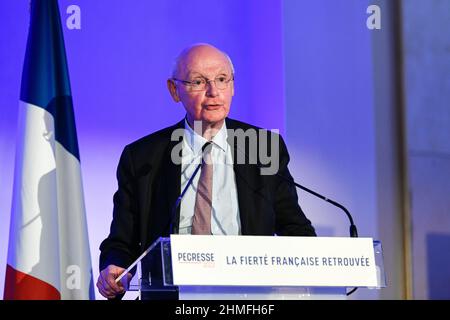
(214,118)
(213,121)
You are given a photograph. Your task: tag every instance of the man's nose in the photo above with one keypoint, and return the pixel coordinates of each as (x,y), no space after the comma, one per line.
(211,88)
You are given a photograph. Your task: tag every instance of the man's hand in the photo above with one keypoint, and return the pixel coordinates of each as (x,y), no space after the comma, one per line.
(106,282)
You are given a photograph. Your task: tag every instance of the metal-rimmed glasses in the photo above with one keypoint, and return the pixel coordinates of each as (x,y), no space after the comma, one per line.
(199,83)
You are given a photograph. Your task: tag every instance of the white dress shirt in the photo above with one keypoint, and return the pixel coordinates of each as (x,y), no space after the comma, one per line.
(225,209)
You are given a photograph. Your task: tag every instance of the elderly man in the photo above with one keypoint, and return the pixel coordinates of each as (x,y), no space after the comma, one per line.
(227,197)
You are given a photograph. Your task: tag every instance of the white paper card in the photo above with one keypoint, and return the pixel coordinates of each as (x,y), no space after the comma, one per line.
(273,261)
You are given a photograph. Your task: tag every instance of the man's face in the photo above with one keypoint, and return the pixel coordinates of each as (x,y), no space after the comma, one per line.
(211,105)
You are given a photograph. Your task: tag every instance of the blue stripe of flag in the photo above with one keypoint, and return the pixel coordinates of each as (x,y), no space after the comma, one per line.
(45,77)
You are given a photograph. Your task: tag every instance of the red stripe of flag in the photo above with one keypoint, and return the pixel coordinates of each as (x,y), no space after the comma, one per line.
(22,286)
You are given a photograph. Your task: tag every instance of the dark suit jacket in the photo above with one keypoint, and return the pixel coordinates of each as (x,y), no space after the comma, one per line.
(149,184)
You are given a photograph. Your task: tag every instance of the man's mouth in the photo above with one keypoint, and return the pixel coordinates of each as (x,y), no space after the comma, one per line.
(212,106)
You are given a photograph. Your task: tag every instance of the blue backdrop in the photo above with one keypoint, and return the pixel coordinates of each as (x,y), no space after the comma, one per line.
(302,67)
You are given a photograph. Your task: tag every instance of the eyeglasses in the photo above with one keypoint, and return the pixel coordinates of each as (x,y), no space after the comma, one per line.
(199,84)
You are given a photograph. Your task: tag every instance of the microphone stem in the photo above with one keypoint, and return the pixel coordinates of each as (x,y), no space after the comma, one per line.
(177,203)
(353,230)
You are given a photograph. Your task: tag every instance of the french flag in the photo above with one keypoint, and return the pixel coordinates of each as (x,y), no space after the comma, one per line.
(48,253)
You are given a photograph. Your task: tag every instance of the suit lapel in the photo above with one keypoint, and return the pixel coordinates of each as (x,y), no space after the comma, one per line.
(241,172)
(244,201)
(172,178)
(160,194)
(173,184)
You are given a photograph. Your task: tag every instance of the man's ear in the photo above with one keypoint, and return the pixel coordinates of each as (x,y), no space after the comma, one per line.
(173,90)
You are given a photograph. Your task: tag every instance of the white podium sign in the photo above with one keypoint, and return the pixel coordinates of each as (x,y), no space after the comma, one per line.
(273,261)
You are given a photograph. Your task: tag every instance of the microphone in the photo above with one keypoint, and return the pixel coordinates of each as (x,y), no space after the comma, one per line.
(353,229)
(172,216)
(178,201)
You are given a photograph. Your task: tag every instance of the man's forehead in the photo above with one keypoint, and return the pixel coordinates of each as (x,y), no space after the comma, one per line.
(200,66)
(203,71)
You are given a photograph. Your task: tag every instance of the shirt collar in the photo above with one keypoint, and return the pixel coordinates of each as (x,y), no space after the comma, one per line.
(196,141)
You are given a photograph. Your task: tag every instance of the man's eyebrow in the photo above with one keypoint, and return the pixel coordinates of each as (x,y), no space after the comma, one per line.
(198,74)
(194,74)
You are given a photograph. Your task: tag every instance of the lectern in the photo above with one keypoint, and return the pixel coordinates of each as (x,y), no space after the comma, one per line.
(187,267)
